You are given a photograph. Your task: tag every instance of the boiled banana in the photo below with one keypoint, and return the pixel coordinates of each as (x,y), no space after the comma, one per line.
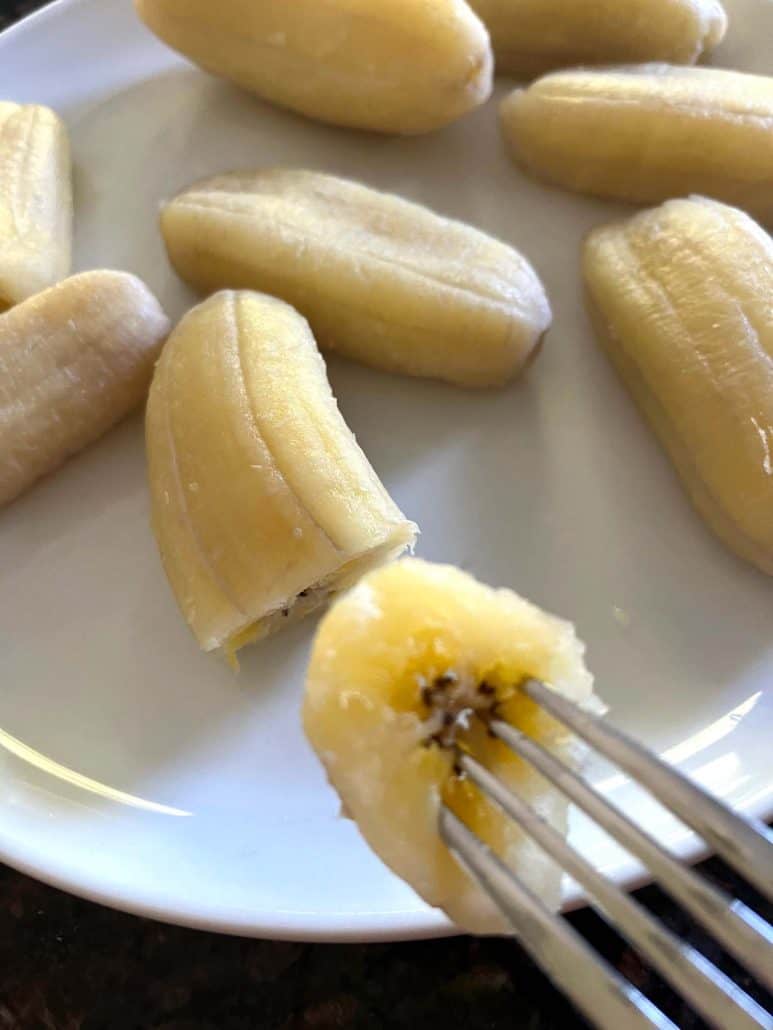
(402,66)
(406,668)
(35,201)
(531,37)
(683,299)
(263,504)
(381,280)
(649,132)
(74,360)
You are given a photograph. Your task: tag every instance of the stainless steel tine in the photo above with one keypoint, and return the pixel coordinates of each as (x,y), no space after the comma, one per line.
(608,1000)
(744,844)
(720,1001)
(734,925)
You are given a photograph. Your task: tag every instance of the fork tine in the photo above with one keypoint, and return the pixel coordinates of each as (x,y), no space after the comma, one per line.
(744,844)
(608,1000)
(736,927)
(721,1002)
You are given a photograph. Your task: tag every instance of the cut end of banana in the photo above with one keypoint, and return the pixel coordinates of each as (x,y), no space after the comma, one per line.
(264,507)
(406,668)
(35,201)
(478,84)
(381,280)
(714,27)
(74,360)
(682,300)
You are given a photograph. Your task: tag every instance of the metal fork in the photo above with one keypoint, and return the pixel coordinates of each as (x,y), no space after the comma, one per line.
(601,994)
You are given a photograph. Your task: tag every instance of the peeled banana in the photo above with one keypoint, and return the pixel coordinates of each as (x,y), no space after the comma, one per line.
(73,361)
(35,201)
(649,132)
(381,280)
(405,669)
(263,504)
(531,37)
(402,66)
(683,299)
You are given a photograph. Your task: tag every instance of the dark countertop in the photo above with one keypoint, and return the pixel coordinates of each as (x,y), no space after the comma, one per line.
(10,10)
(67,964)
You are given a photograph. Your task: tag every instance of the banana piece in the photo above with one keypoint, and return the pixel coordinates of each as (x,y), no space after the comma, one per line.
(35,201)
(404,669)
(401,66)
(263,504)
(73,361)
(381,280)
(683,301)
(531,37)
(646,133)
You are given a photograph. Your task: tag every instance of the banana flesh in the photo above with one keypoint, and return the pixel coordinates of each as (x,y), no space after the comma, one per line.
(649,132)
(263,504)
(683,299)
(381,280)
(397,66)
(405,669)
(531,37)
(35,201)
(74,360)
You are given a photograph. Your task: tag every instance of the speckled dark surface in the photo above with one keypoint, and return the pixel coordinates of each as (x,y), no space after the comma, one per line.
(66,964)
(10,10)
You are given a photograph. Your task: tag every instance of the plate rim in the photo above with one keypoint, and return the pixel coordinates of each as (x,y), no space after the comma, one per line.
(429,925)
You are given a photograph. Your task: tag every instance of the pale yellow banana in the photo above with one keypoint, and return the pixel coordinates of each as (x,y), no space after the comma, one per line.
(381,280)
(407,667)
(35,201)
(73,361)
(403,66)
(649,132)
(263,504)
(531,37)
(683,299)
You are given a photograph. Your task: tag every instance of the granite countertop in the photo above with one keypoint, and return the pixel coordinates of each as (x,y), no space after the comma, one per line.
(67,964)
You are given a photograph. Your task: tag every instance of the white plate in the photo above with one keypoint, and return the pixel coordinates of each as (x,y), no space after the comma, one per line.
(138,772)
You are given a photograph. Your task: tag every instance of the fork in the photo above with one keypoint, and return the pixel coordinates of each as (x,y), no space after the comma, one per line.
(601,994)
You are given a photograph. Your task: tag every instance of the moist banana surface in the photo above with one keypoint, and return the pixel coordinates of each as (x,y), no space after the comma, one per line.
(73,361)
(646,133)
(406,668)
(683,301)
(263,504)
(381,280)
(35,201)
(531,37)
(398,66)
